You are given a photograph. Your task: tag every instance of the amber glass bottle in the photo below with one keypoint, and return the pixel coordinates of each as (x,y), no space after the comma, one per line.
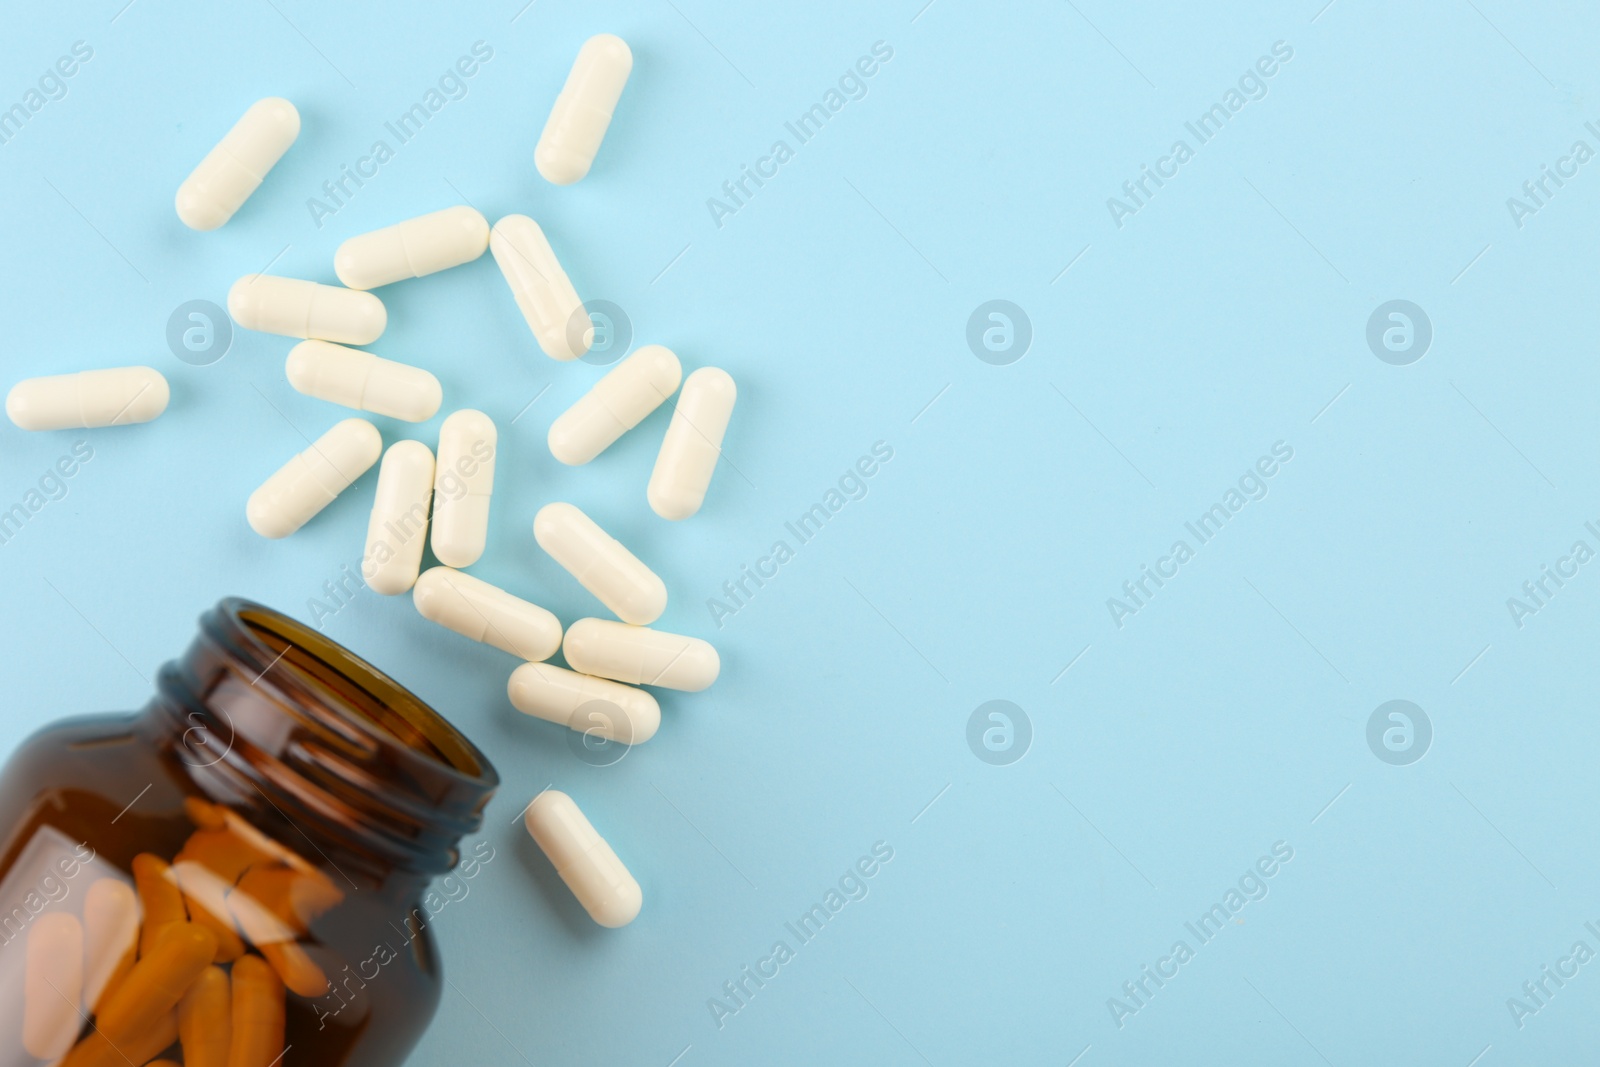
(237,870)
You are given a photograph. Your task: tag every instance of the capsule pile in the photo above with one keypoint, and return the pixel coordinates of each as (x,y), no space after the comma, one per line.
(440,495)
(201,951)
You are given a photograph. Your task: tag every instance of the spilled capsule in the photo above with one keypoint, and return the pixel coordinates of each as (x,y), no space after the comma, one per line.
(474,608)
(294,307)
(312,479)
(601,563)
(398,528)
(583,859)
(543,292)
(363,381)
(463,486)
(693,444)
(616,404)
(582,112)
(120,396)
(640,656)
(412,248)
(599,706)
(234,169)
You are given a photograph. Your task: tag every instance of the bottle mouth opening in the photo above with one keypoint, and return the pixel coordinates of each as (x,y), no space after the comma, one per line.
(367,699)
(271,709)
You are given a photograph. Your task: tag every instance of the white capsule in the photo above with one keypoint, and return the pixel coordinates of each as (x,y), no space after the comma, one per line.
(52,986)
(234,169)
(412,248)
(582,858)
(474,608)
(311,480)
(639,656)
(120,396)
(600,563)
(542,289)
(110,934)
(693,444)
(617,403)
(582,112)
(363,381)
(399,525)
(588,705)
(463,484)
(293,307)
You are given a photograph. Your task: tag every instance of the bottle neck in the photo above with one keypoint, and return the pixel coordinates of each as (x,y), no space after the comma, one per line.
(322,750)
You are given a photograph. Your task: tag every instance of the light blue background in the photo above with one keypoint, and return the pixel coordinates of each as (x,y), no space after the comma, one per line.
(1227,315)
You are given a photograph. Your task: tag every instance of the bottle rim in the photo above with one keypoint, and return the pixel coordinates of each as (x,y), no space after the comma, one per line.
(338,748)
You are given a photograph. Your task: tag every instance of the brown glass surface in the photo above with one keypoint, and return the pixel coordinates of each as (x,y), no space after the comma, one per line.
(338,793)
